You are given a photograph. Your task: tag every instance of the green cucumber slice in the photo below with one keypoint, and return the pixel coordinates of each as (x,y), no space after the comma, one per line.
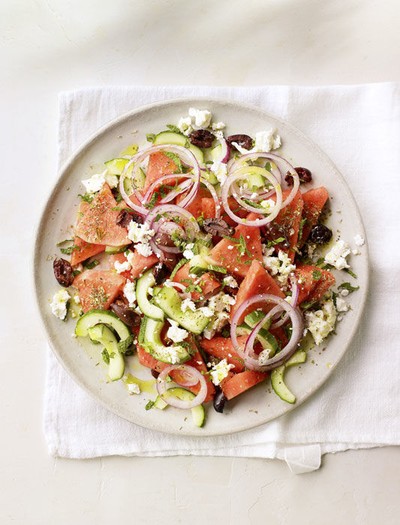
(150,339)
(198,412)
(116,166)
(255,317)
(168,299)
(266,339)
(102,317)
(298,358)
(101,334)
(115,249)
(279,386)
(142,290)
(176,139)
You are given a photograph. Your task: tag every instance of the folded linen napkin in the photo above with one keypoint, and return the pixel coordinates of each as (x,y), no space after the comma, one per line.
(358,407)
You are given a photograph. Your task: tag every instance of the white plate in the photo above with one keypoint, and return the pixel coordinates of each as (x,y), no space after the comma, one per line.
(79,358)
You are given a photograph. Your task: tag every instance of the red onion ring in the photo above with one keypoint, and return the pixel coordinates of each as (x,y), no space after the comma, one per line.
(179,286)
(176,191)
(259,222)
(162,387)
(287,351)
(214,195)
(293,302)
(238,163)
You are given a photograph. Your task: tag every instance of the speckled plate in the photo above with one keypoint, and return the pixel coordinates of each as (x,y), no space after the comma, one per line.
(82,360)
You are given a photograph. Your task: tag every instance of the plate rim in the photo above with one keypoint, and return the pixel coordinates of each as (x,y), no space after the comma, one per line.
(62,174)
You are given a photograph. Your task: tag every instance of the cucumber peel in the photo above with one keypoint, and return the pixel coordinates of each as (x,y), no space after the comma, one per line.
(101,334)
(198,412)
(278,377)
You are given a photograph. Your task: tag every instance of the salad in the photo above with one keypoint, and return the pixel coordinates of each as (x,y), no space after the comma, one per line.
(206,256)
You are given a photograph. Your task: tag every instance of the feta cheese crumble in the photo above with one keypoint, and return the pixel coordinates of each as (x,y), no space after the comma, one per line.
(220,371)
(337,255)
(176,334)
(220,170)
(341,305)
(321,323)
(359,240)
(230,282)
(139,232)
(264,356)
(264,141)
(59,304)
(280,267)
(144,249)
(133,388)
(218,126)
(185,125)
(188,252)
(220,306)
(201,118)
(188,304)
(129,292)
(122,267)
(96,181)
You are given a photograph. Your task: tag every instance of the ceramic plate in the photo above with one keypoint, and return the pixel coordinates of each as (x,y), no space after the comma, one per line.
(82,360)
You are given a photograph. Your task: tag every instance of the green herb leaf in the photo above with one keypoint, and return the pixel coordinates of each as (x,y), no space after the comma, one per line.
(350,272)
(174,129)
(150,137)
(348,287)
(106,356)
(316,275)
(87,197)
(274,242)
(176,160)
(92,264)
(149,405)
(69,250)
(125,344)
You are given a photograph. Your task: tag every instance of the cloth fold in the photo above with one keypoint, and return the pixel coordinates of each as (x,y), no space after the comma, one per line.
(358,407)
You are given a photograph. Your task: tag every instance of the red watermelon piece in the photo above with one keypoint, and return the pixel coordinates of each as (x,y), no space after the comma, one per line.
(313,282)
(222,348)
(84,250)
(97,289)
(207,282)
(159,165)
(97,221)
(237,256)
(236,384)
(257,281)
(314,200)
(139,263)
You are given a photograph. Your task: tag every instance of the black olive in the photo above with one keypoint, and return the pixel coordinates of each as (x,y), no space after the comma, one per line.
(320,234)
(219,400)
(304,174)
(217,227)
(154,373)
(244,141)
(125,313)
(202,138)
(63,272)
(160,272)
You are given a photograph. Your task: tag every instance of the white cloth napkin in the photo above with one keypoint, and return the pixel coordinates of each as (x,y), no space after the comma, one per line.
(358,407)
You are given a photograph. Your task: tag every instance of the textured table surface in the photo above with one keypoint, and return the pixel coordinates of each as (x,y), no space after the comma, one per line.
(51,45)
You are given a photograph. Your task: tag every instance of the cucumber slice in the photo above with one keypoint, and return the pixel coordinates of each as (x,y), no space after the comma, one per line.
(142,289)
(116,166)
(169,137)
(101,334)
(102,317)
(150,339)
(255,317)
(170,302)
(115,249)
(199,265)
(267,340)
(279,386)
(198,412)
(298,358)
(130,150)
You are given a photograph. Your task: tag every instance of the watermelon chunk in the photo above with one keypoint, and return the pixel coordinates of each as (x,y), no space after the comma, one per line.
(159,165)
(196,206)
(287,225)
(139,263)
(83,250)
(97,222)
(313,282)
(236,255)
(257,281)
(238,383)
(207,282)
(314,201)
(208,210)
(97,289)
(222,348)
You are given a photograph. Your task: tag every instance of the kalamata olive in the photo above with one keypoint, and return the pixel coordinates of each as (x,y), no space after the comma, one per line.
(244,141)
(217,227)
(320,234)
(202,138)
(63,272)
(125,313)
(273,231)
(154,373)
(125,218)
(219,400)
(304,176)
(160,272)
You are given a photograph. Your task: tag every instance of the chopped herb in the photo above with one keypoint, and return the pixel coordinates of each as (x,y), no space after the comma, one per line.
(174,129)
(150,137)
(87,197)
(270,244)
(69,250)
(316,275)
(125,344)
(174,157)
(241,244)
(76,272)
(92,264)
(348,287)
(301,226)
(106,356)
(350,272)
(306,305)
(64,242)
(149,405)
(226,332)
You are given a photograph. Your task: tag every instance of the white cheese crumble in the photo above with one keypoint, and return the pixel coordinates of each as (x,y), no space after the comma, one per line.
(144,249)
(176,334)
(230,282)
(185,125)
(59,304)
(206,311)
(188,304)
(321,322)
(139,232)
(264,356)
(280,267)
(341,305)
(220,170)
(359,240)
(95,182)
(130,292)
(133,388)
(220,306)
(264,141)
(337,255)
(220,371)
(201,118)
(76,299)
(218,126)
(268,205)
(122,267)
(188,252)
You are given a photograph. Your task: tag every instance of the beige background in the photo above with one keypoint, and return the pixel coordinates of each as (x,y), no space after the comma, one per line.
(52,45)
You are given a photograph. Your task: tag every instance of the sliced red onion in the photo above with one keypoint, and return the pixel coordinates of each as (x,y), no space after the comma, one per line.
(238,163)
(162,386)
(297,331)
(293,302)
(239,175)
(181,287)
(225,150)
(214,195)
(180,188)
